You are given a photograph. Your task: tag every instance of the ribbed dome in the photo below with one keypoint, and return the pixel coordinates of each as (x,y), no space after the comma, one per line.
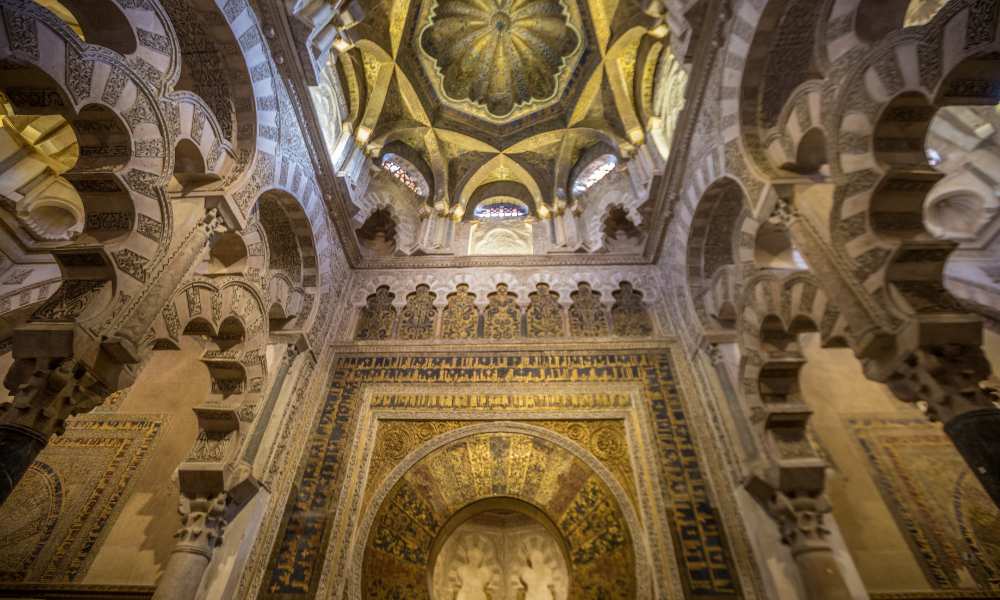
(500,53)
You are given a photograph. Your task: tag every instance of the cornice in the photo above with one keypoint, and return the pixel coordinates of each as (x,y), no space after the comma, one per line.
(544,260)
(425,347)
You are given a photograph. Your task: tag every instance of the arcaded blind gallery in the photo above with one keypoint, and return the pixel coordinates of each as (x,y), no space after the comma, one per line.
(500,299)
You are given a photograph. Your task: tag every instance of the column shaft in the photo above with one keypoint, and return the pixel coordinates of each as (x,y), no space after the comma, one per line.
(18,448)
(975,435)
(182,577)
(821,575)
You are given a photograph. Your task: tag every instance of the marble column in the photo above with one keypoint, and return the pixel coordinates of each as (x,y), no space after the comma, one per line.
(264,418)
(801,521)
(45,393)
(203,522)
(18,448)
(974,434)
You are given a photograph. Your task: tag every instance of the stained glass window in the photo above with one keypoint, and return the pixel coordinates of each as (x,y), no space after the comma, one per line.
(501,209)
(594,172)
(406,173)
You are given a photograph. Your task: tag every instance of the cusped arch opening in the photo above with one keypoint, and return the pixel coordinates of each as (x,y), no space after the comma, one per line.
(277,317)
(621,234)
(98,22)
(231,333)
(874,19)
(199,327)
(227,255)
(190,172)
(502,544)
(59,160)
(811,156)
(377,235)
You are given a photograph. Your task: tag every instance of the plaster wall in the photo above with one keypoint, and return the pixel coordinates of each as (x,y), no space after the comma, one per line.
(142,537)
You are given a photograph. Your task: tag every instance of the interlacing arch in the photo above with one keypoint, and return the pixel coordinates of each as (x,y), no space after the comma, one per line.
(796,303)
(132,187)
(211,308)
(886,105)
(232,322)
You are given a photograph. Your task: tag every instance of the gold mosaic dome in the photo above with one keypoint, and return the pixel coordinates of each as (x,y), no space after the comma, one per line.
(501,54)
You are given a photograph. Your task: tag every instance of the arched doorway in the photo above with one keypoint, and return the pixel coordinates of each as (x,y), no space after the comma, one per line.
(440,510)
(501,548)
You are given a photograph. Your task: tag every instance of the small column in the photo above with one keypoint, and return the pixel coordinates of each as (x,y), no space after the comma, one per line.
(203,521)
(46,392)
(292,350)
(801,521)
(214,487)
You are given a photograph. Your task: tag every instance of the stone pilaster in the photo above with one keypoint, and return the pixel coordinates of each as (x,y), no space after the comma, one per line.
(253,444)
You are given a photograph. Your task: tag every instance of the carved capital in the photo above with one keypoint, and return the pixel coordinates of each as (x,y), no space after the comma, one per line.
(203,522)
(46,392)
(946,377)
(784,213)
(800,519)
(714,353)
